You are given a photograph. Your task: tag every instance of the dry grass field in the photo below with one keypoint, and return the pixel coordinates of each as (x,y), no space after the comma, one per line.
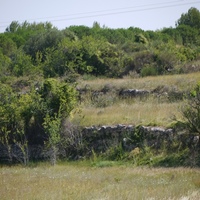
(84,182)
(181,81)
(144,113)
(149,111)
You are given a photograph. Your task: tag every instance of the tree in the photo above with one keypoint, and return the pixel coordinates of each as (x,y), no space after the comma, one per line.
(60,100)
(15,115)
(13,27)
(191,18)
(41,41)
(81,31)
(5,63)
(52,127)
(34,117)
(21,64)
(189,35)
(143,58)
(7,45)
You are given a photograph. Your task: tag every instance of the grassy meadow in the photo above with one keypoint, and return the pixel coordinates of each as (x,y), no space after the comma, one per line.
(153,110)
(86,182)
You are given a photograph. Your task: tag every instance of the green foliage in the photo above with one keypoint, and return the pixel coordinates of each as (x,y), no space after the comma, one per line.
(52,126)
(21,114)
(148,70)
(80,31)
(58,97)
(5,63)
(191,111)
(190,36)
(41,41)
(21,64)
(7,45)
(172,160)
(191,18)
(141,39)
(143,58)
(100,51)
(115,153)
(15,116)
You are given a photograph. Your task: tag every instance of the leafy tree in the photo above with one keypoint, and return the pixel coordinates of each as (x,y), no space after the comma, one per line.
(80,31)
(7,123)
(52,126)
(21,64)
(34,117)
(5,63)
(66,59)
(166,61)
(174,35)
(60,100)
(92,54)
(191,18)
(143,58)
(7,46)
(190,36)
(42,41)
(14,116)
(13,27)
(75,57)
(20,33)
(96,25)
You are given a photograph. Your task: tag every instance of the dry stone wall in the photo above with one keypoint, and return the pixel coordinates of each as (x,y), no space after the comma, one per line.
(100,139)
(104,137)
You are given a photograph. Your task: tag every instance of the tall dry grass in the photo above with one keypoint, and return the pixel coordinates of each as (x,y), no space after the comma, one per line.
(151,111)
(181,81)
(75,182)
(136,113)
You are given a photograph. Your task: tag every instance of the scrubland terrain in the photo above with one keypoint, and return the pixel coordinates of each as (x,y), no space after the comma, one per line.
(42,72)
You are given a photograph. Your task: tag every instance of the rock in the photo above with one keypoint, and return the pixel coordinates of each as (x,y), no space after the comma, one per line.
(132,93)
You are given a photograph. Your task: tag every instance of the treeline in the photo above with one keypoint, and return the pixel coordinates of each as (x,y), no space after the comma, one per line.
(40,48)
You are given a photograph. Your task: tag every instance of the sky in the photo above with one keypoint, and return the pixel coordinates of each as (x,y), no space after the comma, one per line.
(144,14)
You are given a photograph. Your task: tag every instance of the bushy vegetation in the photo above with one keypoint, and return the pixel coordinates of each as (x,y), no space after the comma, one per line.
(40,67)
(191,111)
(35,116)
(30,48)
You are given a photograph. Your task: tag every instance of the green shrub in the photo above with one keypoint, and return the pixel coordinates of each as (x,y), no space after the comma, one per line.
(172,160)
(149,71)
(115,153)
(191,111)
